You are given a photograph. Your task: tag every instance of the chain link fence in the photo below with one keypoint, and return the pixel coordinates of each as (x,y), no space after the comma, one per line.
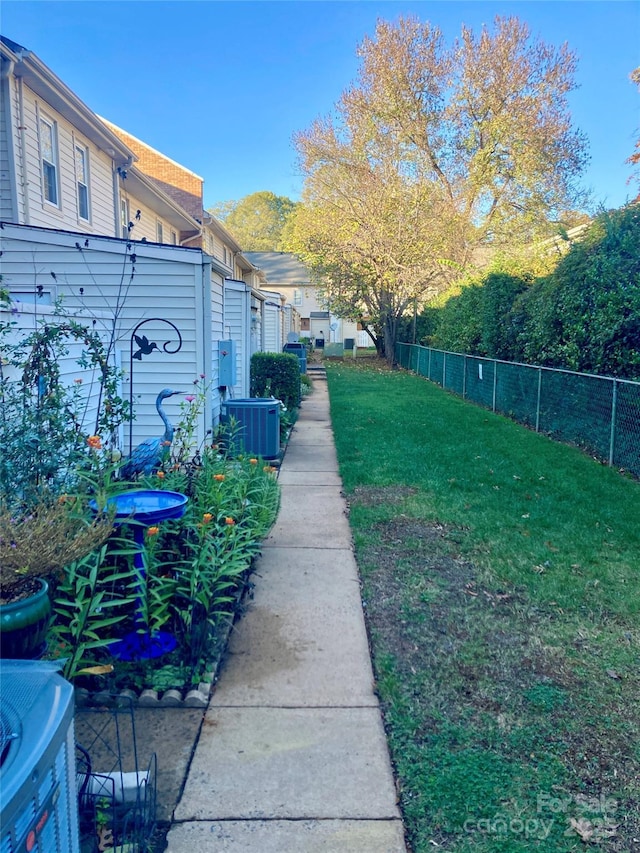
(600,414)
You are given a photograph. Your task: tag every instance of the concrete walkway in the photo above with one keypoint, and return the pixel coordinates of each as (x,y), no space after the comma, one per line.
(292,757)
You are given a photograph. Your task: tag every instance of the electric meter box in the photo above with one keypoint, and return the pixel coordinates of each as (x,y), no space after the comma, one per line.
(227,364)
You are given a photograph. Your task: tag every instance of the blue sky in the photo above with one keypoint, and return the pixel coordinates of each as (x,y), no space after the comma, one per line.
(221,87)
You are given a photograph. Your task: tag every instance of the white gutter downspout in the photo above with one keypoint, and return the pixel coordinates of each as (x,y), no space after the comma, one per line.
(116,199)
(23,155)
(5,83)
(189,239)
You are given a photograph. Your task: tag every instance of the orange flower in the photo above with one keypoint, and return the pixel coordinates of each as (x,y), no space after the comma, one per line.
(228,520)
(206,518)
(253,461)
(153,531)
(160,475)
(95,442)
(218,477)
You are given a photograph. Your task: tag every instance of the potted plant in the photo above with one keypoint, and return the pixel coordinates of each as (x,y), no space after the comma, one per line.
(35,545)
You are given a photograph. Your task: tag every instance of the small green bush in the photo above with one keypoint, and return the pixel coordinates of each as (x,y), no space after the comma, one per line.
(278,375)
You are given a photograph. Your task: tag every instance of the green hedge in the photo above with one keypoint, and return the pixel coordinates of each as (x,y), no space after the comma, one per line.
(584,315)
(276,374)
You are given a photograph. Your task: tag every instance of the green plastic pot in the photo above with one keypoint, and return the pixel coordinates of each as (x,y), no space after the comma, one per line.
(24,624)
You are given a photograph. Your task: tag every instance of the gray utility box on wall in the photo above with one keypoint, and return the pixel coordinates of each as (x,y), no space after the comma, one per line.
(258,424)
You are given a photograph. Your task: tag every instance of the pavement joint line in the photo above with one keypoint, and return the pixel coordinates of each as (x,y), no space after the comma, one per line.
(236,707)
(301,819)
(297,547)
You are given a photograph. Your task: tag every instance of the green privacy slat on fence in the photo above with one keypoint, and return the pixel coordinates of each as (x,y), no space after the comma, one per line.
(598,413)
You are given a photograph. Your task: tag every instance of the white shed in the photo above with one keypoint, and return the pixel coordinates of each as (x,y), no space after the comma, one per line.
(164,304)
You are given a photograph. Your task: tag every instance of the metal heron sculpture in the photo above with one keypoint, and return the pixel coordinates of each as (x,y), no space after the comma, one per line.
(148,456)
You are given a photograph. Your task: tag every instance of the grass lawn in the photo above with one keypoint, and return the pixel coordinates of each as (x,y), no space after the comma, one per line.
(501,582)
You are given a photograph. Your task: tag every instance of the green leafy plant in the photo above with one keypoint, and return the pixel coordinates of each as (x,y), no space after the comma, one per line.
(276,375)
(90,600)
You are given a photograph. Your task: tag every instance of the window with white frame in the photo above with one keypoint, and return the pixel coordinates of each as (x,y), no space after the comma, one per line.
(174,238)
(82,181)
(49,160)
(297,296)
(124,216)
(159,233)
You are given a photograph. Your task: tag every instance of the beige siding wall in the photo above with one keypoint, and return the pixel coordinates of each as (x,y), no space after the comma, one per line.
(145,227)
(64,215)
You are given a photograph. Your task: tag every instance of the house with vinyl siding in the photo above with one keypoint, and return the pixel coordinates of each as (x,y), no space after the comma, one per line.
(80,222)
(286,274)
(250,319)
(61,167)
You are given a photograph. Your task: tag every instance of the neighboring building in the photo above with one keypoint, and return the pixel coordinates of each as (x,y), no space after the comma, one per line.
(79,219)
(285,273)
(61,167)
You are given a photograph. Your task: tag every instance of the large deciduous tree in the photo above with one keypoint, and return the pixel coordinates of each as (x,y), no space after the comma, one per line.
(436,155)
(257,220)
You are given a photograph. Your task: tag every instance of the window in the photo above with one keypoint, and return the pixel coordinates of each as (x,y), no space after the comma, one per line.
(297,296)
(124,217)
(49,155)
(174,238)
(159,233)
(82,181)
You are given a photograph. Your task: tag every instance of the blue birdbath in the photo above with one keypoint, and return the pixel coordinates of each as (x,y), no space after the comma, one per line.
(142,508)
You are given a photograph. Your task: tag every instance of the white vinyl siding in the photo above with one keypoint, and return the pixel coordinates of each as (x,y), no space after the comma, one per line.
(271,333)
(85,381)
(237,326)
(147,225)
(168,283)
(217,334)
(36,211)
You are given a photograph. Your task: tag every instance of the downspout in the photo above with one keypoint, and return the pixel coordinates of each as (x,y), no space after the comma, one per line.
(116,200)
(6,73)
(23,154)
(207,347)
(197,236)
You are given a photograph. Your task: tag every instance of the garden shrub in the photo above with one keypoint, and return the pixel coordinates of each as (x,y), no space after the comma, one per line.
(583,315)
(276,375)
(459,326)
